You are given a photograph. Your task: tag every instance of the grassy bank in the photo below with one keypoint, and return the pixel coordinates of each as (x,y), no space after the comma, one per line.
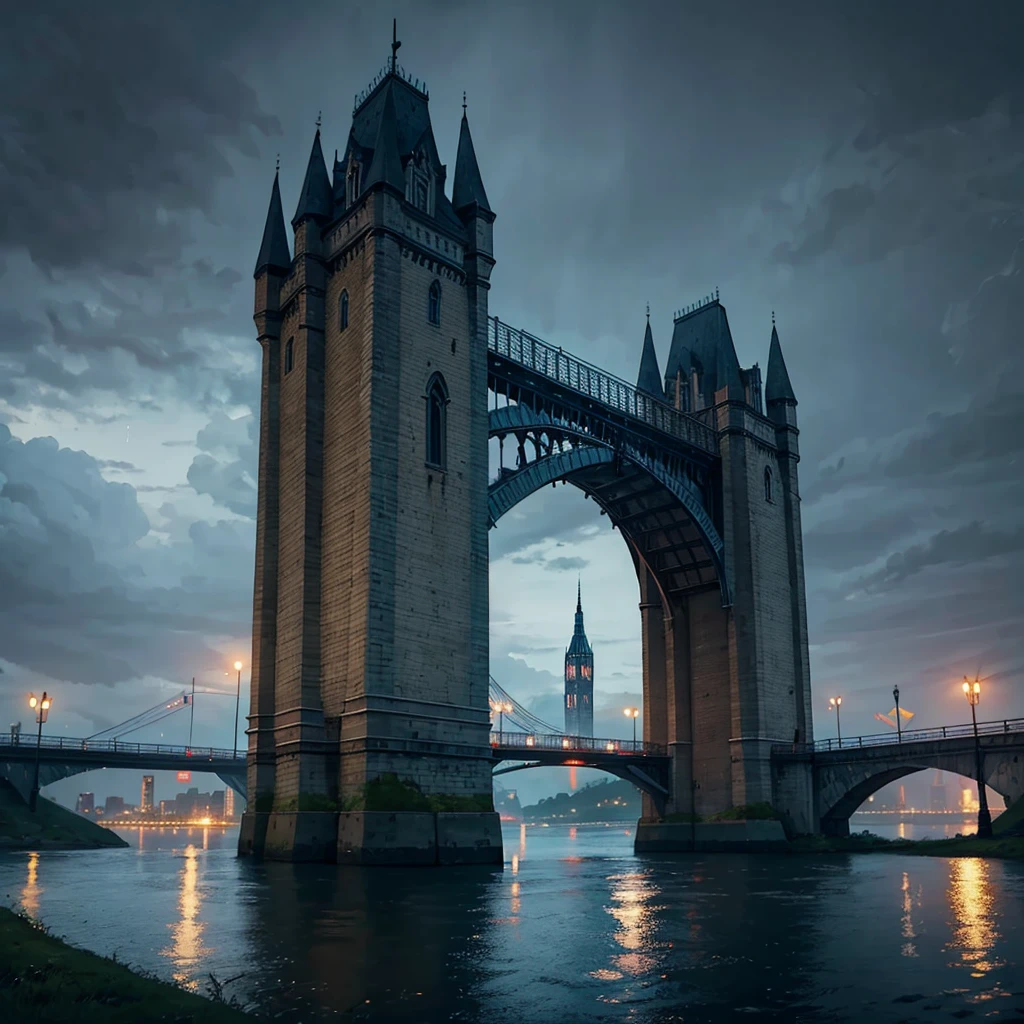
(51,827)
(1006,847)
(43,979)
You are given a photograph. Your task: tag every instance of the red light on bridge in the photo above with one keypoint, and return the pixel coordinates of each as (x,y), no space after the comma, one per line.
(574,762)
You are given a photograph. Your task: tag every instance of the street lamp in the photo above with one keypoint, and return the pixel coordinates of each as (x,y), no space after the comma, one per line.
(41,706)
(835,703)
(502,707)
(633,713)
(238,697)
(899,728)
(972,691)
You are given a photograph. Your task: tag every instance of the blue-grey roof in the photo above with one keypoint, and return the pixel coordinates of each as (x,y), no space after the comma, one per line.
(777,387)
(579,644)
(386,165)
(315,199)
(649,377)
(274,249)
(468,187)
(702,341)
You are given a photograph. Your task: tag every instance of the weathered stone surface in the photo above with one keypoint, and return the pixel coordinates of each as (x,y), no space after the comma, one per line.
(466,838)
(387,837)
(252,834)
(724,836)
(301,835)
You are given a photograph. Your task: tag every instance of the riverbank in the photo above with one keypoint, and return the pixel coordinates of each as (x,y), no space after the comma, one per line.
(43,979)
(51,827)
(1001,847)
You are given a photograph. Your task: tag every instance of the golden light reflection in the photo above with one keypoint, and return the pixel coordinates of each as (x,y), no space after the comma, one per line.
(902,831)
(971,903)
(572,831)
(907,921)
(632,907)
(516,901)
(515,863)
(30,894)
(187,950)
(522,841)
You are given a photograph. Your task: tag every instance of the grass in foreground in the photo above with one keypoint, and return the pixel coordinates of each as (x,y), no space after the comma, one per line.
(51,827)
(1006,847)
(43,979)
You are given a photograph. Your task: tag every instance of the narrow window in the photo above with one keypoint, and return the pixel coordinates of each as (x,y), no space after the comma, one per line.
(767,484)
(343,311)
(289,355)
(434,304)
(437,414)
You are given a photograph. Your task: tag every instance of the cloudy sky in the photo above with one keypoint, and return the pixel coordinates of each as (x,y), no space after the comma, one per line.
(857,168)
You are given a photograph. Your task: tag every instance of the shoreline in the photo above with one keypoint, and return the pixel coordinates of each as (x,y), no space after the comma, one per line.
(46,979)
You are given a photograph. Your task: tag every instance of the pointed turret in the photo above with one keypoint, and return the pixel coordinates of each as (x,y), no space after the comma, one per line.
(316,199)
(468,186)
(649,377)
(274,251)
(386,165)
(777,387)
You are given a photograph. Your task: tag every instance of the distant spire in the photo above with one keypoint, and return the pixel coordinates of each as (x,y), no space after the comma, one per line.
(649,377)
(316,198)
(468,186)
(395,44)
(777,387)
(463,102)
(274,251)
(579,595)
(386,165)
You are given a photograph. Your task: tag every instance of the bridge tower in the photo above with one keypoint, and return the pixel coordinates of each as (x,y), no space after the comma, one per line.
(725,667)
(579,678)
(370,608)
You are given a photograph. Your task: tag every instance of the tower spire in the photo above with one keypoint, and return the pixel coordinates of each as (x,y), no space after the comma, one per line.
(777,386)
(316,198)
(468,186)
(649,377)
(579,595)
(395,44)
(274,251)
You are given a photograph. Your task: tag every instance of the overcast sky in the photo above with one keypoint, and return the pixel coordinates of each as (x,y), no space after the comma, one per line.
(858,168)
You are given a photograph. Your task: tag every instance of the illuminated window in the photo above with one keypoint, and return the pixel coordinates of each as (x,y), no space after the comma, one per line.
(570,671)
(437,416)
(343,311)
(289,355)
(434,304)
(585,670)
(570,700)
(767,484)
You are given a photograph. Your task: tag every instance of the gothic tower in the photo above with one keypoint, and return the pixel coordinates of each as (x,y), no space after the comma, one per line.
(370,614)
(579,678)
(726,671)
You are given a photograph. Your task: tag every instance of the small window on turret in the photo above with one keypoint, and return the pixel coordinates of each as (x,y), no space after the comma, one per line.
(767,483)
(343,311)
(434,304)
(289,355)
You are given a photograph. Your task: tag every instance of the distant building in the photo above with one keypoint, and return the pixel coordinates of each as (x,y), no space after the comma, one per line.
(85,804)
(217,805)
(229,805)
(166,808)
(146,805)
(579,678)
(113,805)
(937,795)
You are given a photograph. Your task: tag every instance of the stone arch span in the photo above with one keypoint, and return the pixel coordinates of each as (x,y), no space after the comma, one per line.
(841,786)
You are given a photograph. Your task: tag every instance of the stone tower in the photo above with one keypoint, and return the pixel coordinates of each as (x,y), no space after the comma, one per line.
(726,671)
(579,678)
(370,614)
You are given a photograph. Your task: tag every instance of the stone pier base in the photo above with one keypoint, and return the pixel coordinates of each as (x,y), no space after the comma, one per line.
(418,838)
(723,836)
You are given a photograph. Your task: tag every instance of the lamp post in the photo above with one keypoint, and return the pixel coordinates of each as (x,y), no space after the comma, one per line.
(503,707)
(633,713)
(835,703)
(972,691)
(238,698)
(41,706)
(899,728)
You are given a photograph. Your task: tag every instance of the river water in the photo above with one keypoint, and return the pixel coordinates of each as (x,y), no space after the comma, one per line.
(574,929)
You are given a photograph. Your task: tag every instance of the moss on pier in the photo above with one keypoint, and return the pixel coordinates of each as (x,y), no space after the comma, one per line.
(1007,847)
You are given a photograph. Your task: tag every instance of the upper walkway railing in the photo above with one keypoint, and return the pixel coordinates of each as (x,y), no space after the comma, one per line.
(908,736)
(569,745)
(551,362)
(67,744)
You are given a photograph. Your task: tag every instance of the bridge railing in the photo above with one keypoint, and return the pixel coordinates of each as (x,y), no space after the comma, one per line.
(887,739)
(71,744)
(551,362)
(569,745)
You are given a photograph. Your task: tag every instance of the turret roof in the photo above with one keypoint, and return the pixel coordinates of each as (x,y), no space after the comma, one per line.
(777,387)
(274,249)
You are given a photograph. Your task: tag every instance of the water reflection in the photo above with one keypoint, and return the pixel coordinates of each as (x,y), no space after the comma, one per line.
(971,901)
(907,921)
(187,950)
(632,907)
(32,890)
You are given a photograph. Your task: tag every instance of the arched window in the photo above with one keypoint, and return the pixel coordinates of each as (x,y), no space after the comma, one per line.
(343,311)
(437,415)
(434,304)
(767,483)
(289,355)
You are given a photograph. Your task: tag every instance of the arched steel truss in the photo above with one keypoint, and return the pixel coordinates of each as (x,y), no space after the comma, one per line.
(658,495)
